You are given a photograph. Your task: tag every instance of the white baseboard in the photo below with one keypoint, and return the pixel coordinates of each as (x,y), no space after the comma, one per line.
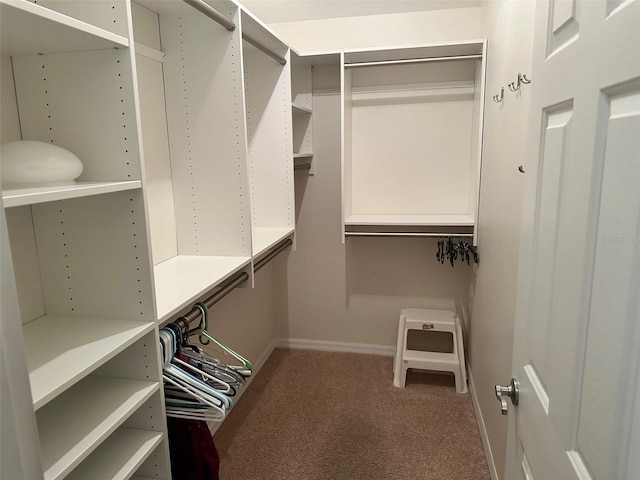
(329,346)
(482,427)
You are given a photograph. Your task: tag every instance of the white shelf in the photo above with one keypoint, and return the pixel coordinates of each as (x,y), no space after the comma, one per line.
(28,196)
(264,238)
(119,456)
(63,350)
(297,108)
(303,155)
(183,279)
(29,29)
(74,425)
(411,220)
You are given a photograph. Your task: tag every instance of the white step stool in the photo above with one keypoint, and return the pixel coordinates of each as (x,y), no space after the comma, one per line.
(433,321)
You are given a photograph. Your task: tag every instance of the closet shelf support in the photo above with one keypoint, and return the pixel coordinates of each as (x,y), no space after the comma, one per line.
(247,37)
(237,280)
(212,13)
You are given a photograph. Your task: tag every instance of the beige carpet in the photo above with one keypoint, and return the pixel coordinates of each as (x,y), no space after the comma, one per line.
(336,416)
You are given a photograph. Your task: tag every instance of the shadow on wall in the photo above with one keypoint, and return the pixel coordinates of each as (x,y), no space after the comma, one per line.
(401,267)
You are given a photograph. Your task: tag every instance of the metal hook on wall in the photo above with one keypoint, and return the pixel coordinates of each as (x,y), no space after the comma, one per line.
(499,98)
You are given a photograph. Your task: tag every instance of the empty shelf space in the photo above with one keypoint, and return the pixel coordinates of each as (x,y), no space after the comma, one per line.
(74,424)
(28,28)
(118,456)
(183,279)
(29,196)
(298,108)
(265,238)
(63,350)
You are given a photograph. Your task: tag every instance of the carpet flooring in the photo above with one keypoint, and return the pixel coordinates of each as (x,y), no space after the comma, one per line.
(337,416)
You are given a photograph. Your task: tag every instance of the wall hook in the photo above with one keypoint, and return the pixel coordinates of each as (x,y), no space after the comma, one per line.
(499,98)
(513,87)
(521,169)
(522,78)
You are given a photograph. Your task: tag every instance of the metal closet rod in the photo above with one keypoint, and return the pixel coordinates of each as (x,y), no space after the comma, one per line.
(302,166)
(412,60)
(263,48)
(227,23)
(406,234)
(212,13)
(237,280)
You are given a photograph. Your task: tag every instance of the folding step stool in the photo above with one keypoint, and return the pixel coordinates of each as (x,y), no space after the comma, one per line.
(434,321)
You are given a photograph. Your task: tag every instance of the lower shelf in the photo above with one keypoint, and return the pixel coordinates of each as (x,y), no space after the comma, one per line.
(119,456)
(62,350)
(183,279)
(73,425)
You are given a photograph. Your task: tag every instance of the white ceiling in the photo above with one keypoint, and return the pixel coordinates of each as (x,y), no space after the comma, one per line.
(278,11)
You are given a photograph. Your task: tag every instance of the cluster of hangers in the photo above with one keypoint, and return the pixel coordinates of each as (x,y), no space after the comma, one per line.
(513,86)
(196,385)
(451,251)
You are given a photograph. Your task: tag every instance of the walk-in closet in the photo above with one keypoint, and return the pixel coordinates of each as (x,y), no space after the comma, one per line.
(264,240)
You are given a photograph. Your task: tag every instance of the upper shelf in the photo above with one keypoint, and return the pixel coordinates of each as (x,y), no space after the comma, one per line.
(27,28)
(414,52)
(183,279)
(411,220)
(29,196)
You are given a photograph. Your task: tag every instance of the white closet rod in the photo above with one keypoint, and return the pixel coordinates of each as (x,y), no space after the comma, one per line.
(412,60)
(263,48)
(406,234)
(212,13)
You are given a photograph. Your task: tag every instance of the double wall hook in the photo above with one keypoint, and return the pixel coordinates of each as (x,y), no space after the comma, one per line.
(513,86)
(522,80)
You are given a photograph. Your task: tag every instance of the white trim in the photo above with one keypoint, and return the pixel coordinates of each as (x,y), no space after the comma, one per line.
(330,346)
(482,427)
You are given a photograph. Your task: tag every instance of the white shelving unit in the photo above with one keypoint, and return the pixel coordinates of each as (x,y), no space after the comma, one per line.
(187,180)
(268,117)
(302,110)
(412,134)
(81,263)
(197,188)
(119,456)
(70,431)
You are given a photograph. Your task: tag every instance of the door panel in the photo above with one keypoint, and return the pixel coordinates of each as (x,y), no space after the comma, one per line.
(576,345)
(611,359)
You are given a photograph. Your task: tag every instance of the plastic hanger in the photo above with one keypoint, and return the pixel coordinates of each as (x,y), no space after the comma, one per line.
(201,395)
(247,368)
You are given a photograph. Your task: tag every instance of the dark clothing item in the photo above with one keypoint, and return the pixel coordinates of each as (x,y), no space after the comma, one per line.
(193,453)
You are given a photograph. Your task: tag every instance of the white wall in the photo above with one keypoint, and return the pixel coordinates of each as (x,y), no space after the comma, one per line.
(380,30)
(508,26)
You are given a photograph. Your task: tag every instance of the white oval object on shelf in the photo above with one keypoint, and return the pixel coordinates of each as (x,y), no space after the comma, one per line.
(30,163)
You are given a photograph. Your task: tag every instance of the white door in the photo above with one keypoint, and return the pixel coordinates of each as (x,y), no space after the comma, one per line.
(577,341)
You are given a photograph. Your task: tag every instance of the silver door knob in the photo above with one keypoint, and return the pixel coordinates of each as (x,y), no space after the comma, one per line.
(512,391)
